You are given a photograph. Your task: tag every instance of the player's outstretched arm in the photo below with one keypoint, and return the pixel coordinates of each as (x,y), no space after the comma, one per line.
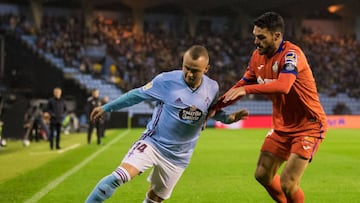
(232,117)
(96,114)
(239,115)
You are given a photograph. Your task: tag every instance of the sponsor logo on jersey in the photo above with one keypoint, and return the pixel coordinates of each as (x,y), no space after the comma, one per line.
(190,113)
(264,81)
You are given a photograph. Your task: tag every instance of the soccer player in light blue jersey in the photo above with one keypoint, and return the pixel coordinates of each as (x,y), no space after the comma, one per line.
(183,99)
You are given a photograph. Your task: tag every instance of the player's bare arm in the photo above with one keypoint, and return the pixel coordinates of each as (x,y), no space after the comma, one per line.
(228,118)
(234,93)
(96,114)
(239,115)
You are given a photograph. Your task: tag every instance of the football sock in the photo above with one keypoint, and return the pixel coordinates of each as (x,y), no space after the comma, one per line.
(106,186)
(122,175)
(297,197)
(275,191)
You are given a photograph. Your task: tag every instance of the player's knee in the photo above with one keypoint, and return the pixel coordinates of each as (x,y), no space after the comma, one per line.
(287,185)
(122,175)
(262,177)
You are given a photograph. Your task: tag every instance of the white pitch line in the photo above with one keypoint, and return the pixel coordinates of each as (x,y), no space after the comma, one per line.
(37,196)
(68,148)
(58,151)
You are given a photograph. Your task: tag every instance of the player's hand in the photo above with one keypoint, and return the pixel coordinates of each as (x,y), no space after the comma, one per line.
(233,94)
(97,114)
(239,115)
(210,114)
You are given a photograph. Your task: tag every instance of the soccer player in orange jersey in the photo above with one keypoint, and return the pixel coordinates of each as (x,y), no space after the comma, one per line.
(279,70)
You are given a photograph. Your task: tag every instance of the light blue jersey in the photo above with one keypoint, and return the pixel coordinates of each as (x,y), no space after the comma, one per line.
(178,116)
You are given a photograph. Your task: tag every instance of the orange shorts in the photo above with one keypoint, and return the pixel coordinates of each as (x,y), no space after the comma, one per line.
(304,144)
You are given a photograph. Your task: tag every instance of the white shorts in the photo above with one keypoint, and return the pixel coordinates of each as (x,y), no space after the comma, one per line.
(164,176)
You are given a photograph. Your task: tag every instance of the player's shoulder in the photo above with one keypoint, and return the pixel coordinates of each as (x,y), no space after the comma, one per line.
(290,47)
(292,53)
(208,79)
(210,82)
(170,75)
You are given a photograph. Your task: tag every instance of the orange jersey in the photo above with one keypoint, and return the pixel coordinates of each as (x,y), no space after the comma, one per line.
(286,78)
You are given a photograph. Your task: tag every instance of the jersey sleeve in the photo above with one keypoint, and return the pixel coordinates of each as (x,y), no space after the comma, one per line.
(152,91)
(287,76)
(128,99)
(155,90)
(291,62)
(248,78)
(282,85)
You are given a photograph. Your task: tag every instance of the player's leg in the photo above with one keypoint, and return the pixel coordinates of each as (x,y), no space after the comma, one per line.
(135,162)
(107,185)
(162,180)
(266,175)
(151,197)
(290,178)
(274,152)
(302,151)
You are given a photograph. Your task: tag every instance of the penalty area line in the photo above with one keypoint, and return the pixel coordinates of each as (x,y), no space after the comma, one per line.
(40,194)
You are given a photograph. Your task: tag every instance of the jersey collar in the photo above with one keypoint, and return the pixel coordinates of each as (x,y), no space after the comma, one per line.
(281,48)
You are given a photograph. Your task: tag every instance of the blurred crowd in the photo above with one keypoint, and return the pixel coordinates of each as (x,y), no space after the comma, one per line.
(138,58)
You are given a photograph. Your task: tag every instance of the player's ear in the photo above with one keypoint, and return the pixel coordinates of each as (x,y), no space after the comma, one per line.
(277,35)
(207,69)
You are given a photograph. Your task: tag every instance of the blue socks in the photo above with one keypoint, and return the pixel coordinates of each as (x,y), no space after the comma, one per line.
(103,190)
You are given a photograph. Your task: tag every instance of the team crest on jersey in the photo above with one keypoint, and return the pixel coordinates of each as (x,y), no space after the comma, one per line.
(291,58)
(191,113)
(148,86)
(207,101)
(275,67)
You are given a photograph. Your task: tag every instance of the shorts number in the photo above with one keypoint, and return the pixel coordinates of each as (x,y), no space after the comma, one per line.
(140,147)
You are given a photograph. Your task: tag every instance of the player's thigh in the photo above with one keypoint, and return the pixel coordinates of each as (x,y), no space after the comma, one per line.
(267,166)
(277,144)
(306,145)
(294,169)
(164,177)
(140,157)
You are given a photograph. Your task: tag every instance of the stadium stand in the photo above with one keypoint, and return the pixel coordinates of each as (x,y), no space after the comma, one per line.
(112,58)
(226,62)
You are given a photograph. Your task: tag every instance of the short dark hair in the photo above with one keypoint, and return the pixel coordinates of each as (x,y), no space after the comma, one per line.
(197,51)
(272,21)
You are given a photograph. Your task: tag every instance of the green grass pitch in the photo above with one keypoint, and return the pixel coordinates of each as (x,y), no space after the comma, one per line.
(221,169)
